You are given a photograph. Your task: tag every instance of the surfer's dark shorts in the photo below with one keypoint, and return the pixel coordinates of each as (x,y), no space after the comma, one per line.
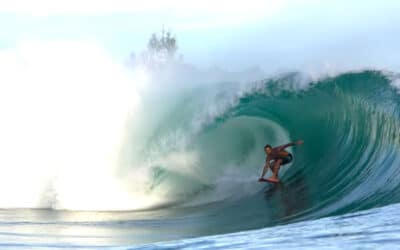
(287,159)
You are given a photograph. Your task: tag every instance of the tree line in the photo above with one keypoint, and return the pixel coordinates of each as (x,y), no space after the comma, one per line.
(161,50)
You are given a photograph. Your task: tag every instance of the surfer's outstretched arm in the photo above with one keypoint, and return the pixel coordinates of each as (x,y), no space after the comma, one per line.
(282,147)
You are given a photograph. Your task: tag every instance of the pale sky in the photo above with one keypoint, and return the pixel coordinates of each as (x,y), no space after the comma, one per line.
(96,7)
(274,34)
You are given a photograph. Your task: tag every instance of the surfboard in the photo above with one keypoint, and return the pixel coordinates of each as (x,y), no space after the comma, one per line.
(267,180)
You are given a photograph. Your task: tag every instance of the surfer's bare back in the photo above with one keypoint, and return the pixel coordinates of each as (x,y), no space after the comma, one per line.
(280,157)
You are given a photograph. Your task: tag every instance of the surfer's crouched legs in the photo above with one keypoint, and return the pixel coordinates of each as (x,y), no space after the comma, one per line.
(265,170)
(275,170)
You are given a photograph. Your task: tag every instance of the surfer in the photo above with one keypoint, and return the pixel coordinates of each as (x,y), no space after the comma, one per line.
(280,157)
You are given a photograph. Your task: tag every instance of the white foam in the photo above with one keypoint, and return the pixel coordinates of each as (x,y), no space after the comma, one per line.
(396,83)
(64,108)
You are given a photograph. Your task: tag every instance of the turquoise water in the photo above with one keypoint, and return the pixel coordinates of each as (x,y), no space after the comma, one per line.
(205,154)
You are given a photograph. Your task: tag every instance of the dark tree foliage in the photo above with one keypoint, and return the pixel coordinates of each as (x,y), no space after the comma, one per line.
(166,43)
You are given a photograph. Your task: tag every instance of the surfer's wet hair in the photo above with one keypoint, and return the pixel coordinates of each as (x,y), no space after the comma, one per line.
(267,146)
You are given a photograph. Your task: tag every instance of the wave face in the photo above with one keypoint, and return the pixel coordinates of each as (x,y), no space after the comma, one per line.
(349,123)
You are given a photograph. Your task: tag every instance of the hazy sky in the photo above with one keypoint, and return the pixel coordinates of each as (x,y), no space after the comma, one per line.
(275,34)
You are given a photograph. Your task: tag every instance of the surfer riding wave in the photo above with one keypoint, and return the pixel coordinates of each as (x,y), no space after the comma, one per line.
(280,157)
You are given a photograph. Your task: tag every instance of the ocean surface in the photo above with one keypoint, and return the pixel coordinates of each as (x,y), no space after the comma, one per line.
(185,168)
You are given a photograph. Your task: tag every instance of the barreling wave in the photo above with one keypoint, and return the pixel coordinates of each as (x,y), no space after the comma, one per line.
(349,161)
